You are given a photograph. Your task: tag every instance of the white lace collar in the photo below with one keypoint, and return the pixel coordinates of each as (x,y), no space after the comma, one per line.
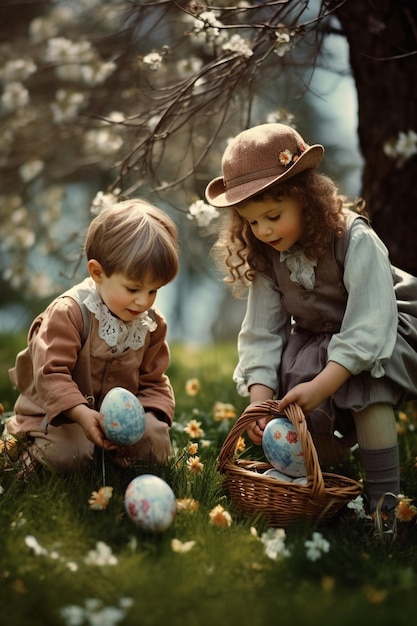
(115,332)
(300,266)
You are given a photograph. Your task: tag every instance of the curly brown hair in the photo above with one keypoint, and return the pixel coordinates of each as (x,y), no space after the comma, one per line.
(242,254)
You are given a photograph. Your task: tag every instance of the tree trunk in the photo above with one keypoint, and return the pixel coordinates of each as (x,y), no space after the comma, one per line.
(382,37)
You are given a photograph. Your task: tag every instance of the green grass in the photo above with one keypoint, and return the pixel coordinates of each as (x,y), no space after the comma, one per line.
(227,577)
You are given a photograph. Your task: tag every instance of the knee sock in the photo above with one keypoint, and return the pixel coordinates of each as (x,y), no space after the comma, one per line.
(377,438)
(382,473)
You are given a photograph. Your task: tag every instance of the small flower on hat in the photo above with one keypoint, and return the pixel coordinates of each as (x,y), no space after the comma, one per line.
(287,158)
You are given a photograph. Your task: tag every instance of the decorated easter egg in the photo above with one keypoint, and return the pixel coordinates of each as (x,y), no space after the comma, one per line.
(123,417)
(274,473)
(150,503)
(282,448)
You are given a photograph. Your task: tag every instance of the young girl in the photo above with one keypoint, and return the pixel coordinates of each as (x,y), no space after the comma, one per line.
(102,333)
(330,324)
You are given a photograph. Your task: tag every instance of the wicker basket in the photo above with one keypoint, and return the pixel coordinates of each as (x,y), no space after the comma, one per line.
(282,503)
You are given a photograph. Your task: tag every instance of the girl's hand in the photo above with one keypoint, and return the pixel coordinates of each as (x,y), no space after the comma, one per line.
(256,429)
(309,395)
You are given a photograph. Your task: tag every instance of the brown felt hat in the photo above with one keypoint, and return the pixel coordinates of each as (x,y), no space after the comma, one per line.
(258,158)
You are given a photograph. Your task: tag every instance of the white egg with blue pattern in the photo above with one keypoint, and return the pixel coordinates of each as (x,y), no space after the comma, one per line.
(123,417)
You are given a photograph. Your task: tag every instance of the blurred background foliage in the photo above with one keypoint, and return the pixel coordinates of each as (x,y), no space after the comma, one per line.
(105,99)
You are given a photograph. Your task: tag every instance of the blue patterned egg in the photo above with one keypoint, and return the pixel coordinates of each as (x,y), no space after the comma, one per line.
(282,448)
(150,503)
(123,417)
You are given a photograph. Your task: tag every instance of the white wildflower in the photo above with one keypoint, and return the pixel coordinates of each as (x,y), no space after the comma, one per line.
(316,546)
(182,546)
(33,543)
(102,555)
(357,506)
(274,543)
(202,213)
(73,615)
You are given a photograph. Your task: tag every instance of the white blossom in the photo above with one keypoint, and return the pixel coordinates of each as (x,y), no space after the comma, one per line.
(97,73)
(67,105)
(18,70)
(237,44)
(283,43)
(105,141)
(103,200)
(31,169)
(15,96)
(207,28)
(404,146)
(153,60)
(202,213)
(190,66)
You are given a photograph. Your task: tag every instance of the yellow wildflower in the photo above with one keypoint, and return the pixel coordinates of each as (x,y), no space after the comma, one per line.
(220,517)
(194,465)
(240,446)
(224,411)
(194,429)
(100,499)
(192,387)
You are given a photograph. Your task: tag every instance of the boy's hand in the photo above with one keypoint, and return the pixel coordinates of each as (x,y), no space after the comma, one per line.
(91,423)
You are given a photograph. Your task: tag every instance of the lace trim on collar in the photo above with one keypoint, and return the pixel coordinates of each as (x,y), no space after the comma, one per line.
(115,332)
(301,268)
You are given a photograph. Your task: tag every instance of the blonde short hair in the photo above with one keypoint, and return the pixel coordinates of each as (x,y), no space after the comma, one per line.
(134,238)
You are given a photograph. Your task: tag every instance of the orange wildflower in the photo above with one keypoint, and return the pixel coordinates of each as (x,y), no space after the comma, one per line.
(406,511)
(220,517)
(187,504)
(224,411)
(100,499)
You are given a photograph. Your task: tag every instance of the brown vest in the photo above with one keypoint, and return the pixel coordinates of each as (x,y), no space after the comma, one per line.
(322,308)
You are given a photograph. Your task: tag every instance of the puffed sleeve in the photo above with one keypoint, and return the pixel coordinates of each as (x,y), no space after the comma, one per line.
(262,337)
(53,346)
(368,332)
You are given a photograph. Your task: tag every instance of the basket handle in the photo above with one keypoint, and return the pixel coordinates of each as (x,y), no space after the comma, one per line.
(293,412)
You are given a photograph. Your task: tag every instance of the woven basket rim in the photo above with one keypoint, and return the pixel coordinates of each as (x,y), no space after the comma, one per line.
(317,488)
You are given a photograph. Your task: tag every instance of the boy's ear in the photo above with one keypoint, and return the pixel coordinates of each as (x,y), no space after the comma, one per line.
(95,270)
